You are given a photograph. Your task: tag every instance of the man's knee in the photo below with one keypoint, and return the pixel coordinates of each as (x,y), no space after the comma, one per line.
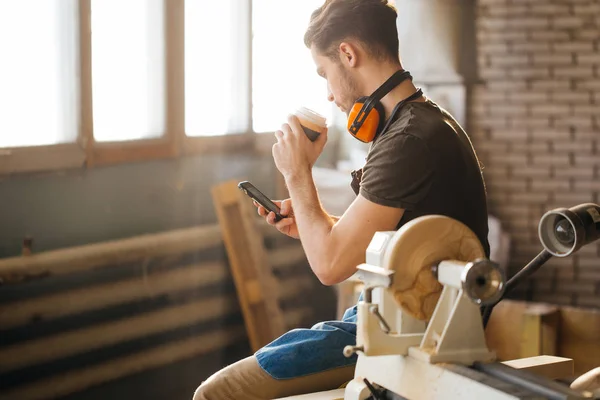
(215,387)
(204,392)
(241,379)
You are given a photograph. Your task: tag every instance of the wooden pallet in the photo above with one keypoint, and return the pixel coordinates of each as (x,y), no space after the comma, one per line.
(256,286)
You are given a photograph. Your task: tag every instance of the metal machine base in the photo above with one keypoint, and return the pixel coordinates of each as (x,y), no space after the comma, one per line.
(413,379)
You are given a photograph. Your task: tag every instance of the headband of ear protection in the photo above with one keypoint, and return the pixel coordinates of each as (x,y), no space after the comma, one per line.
(367,116)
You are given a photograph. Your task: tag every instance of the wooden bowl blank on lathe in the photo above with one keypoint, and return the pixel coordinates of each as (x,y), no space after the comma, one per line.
(415,248)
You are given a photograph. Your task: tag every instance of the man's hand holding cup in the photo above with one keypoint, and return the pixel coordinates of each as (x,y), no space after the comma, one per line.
(299,142)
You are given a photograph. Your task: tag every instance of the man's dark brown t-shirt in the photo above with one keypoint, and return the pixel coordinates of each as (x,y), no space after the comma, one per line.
(425,163)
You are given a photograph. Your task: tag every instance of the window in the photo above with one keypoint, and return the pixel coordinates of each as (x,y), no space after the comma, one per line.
(284,75)
(128,69)
(216,67)
(115,81)
(217,49)
(38,86)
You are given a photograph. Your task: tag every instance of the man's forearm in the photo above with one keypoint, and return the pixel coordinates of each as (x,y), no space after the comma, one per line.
(314,224)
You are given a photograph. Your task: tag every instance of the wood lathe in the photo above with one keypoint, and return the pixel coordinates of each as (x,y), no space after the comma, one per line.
(428,292)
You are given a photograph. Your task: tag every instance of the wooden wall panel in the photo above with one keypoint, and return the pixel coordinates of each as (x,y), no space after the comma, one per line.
(159,299)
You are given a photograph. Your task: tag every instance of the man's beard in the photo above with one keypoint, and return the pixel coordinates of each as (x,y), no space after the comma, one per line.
(350,90)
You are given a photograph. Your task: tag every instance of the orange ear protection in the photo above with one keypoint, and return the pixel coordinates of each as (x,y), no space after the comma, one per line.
(367,117)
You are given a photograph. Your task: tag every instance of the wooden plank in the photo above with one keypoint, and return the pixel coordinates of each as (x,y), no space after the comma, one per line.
(550,325)
(175,72)
(253,291)
(551,367)
(96,297)
(539,329)
(578,333)
(41,158)
(86,138)
(248,261)
(85,339)
(134,151)
(503,332)
(111,253)
(530,335)
(579,337)
(241,143)
(81,379)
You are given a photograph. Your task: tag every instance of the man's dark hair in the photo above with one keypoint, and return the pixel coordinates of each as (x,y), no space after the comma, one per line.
(370,22)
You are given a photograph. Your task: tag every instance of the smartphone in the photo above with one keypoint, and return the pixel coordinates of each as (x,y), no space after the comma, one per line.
(260,198)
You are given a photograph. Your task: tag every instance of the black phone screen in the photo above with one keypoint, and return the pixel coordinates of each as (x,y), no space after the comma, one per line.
(260,198)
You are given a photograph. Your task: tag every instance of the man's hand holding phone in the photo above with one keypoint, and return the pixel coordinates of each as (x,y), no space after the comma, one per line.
(287,225)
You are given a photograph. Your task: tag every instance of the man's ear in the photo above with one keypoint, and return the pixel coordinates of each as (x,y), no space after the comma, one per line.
(348,54)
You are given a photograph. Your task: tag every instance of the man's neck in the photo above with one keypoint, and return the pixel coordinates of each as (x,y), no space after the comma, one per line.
(378,75)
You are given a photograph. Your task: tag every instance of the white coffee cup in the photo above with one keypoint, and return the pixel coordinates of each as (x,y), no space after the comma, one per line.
(313,123)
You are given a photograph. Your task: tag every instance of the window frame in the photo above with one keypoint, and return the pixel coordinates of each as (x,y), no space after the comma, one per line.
(86,152)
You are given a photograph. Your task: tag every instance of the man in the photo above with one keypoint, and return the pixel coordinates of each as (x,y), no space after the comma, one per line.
(422,164)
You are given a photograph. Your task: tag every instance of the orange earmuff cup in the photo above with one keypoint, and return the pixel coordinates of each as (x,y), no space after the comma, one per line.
(368,130)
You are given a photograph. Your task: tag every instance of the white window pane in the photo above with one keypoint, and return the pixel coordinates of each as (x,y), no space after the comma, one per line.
(284,74)
(38,72)
(128,69)
(216,67)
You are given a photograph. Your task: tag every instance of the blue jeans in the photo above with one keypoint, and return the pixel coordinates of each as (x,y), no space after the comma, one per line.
(302,352)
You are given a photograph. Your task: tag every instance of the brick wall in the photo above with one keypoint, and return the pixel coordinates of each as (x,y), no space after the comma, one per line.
(534,116)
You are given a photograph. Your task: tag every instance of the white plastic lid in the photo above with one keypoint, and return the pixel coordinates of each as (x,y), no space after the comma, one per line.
(311,116)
